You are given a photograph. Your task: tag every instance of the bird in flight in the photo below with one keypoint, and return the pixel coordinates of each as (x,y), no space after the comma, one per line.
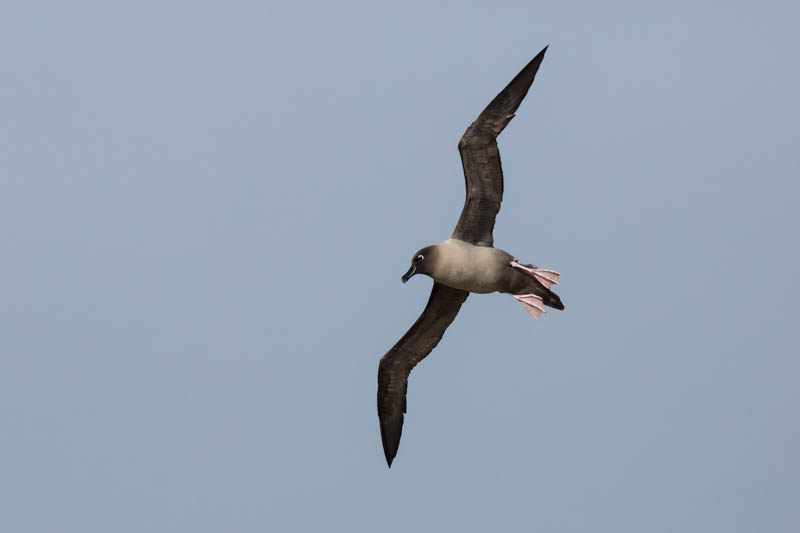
(467,261)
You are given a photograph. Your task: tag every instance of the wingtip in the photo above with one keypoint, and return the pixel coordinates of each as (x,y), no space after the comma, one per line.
(544,50)
(389,457)
(391,431)
(390,453)
(536,61)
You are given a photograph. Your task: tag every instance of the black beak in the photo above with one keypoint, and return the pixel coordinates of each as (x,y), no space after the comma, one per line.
(411,272)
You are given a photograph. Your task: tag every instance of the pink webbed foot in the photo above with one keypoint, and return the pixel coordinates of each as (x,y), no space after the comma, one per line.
(532,304)
(544,276)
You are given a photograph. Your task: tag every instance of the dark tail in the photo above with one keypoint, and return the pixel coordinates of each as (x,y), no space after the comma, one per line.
(551,299)
(524,281)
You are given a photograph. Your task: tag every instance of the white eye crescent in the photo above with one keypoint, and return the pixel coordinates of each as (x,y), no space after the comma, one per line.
(420,257)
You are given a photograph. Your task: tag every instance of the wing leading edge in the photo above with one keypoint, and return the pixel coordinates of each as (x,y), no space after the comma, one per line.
(481,159)
(413,347)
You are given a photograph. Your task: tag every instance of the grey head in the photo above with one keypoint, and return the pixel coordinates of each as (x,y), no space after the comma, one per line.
(423,262)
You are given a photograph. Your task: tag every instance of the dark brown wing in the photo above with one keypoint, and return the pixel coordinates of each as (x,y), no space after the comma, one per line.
(395,366)
(481,159)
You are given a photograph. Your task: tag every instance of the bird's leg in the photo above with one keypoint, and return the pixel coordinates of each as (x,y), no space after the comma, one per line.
(532,304)
(542,275)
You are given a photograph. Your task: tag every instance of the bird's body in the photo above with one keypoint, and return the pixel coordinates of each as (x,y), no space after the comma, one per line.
(466,262)
(478,269)
(483,269)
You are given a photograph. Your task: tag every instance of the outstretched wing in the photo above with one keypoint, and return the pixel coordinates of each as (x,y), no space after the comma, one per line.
(481,159)
(395,366)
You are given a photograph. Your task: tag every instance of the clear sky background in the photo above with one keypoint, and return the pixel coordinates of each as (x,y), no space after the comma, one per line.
(205,210)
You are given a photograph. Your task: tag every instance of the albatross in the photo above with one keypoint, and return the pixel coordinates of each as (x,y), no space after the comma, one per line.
(467,261)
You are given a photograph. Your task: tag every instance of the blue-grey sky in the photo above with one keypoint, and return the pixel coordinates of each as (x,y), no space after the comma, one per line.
(206,207)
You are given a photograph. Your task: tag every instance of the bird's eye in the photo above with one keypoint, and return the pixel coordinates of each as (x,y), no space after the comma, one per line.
(420,257)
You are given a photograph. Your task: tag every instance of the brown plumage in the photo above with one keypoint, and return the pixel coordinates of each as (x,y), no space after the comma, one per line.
(480,158)
(467,262)
(396,365)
